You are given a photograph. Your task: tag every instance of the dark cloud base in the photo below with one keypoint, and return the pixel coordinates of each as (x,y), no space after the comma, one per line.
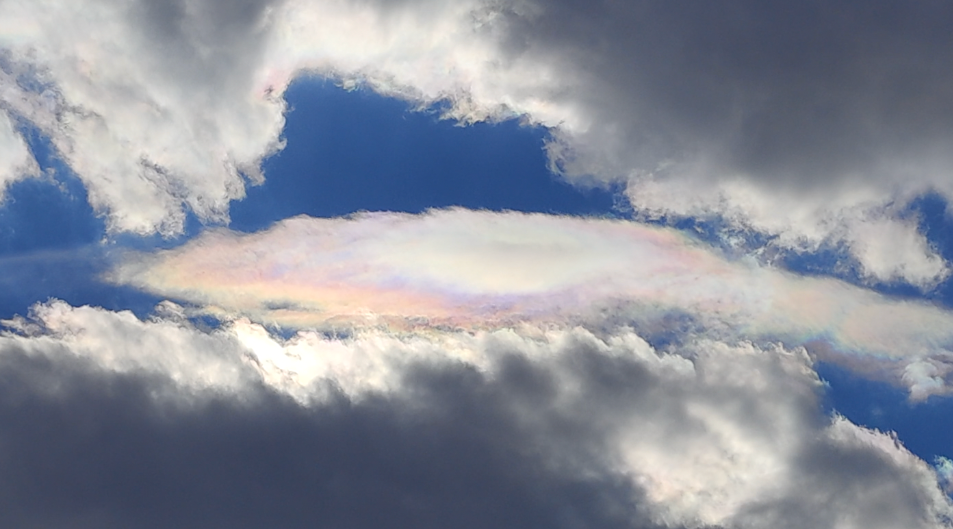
(453,447)
(80,449)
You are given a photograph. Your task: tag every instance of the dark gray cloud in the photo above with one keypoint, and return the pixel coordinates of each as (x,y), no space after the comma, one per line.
(203,42)
(82,449)
(794,93)
(101,428)
(809,121)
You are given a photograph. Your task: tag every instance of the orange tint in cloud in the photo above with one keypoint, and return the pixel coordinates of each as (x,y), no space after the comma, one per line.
(478,269)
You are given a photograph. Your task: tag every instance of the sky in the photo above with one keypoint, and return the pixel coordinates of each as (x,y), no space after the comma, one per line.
(509,263)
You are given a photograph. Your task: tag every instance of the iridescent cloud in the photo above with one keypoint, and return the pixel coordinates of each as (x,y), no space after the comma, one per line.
(475,269)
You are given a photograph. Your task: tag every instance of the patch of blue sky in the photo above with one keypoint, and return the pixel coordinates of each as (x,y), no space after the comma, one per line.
(50,242)
(350,151)
(50,212)
(936,223)
(924,428)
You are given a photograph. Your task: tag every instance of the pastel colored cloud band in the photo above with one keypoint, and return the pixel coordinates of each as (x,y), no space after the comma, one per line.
(474,269)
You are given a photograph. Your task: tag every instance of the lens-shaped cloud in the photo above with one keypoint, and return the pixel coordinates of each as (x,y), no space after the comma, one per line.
(478,269)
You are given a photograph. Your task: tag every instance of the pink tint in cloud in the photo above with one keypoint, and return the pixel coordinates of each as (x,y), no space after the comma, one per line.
(478,269)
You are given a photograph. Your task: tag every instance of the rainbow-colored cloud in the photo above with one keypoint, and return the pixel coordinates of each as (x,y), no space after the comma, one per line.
(478,269)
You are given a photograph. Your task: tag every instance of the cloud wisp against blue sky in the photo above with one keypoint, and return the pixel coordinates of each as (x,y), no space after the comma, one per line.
(513,263)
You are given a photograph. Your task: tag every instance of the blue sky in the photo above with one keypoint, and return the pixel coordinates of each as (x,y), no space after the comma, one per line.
(354,263)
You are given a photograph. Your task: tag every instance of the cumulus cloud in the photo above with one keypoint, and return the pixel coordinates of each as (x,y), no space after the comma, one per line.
(505,338)
(558,426)
(805,122)
(476,269)
(152,104)
(796,120)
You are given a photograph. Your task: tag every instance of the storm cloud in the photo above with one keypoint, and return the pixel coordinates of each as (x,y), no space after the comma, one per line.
(106,425)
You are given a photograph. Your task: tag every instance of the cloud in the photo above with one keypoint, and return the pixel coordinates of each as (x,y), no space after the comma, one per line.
(474,369)
(476,269)
(101,452)
(805,122)
(16,161)
(152,104)
(801,121)
(235,426)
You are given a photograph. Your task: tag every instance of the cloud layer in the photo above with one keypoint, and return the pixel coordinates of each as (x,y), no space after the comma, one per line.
(235,425)
(471,369)
(814,123)
(483,270)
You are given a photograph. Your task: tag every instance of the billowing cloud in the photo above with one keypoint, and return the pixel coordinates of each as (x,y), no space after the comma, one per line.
(610,431)
(152,104)
(813,123)
(802,120)
(482,270)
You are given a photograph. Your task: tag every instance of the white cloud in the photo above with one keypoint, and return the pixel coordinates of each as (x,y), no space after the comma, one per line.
(16,161)
(887,246)
(118,342)
(152,104)
(793,120)
(891,249)
(718,434)
(484,270)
